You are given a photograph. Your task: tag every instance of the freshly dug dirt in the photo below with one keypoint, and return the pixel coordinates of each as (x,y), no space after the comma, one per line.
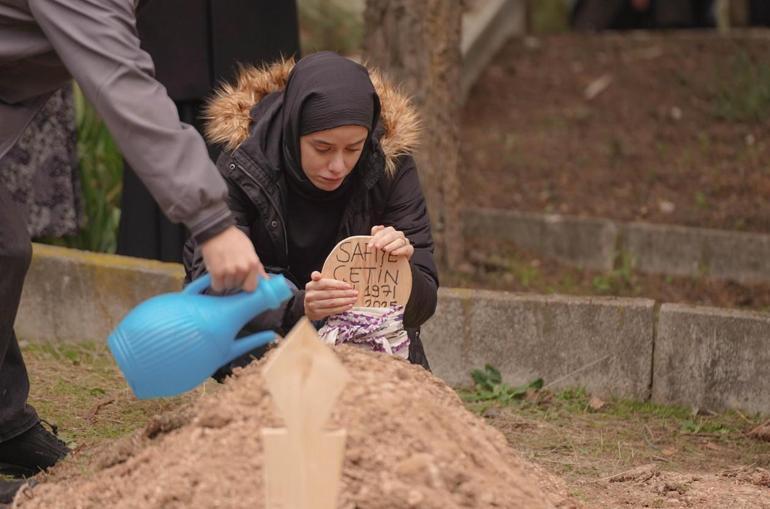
(647,486)
(618,454)
(659,127)
(411,443)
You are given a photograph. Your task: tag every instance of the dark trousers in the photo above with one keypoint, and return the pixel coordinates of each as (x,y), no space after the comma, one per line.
(16,416)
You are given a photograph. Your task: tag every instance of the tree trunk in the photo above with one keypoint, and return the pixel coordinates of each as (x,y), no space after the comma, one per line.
(418,44)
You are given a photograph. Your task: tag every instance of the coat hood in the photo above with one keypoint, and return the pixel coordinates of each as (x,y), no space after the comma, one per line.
(227,113)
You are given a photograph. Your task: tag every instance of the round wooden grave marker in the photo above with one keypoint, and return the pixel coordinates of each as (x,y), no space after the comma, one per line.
(382,279)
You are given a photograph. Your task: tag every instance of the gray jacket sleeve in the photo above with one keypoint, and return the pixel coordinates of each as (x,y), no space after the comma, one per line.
(98,43)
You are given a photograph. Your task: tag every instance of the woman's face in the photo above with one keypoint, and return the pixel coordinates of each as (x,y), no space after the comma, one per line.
(329,156)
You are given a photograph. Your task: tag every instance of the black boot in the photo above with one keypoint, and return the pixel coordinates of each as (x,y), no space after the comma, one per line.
(34,450)
(8,489)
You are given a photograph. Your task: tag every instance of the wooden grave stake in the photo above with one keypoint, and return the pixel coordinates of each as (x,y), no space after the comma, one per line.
(382,280)
(303,462)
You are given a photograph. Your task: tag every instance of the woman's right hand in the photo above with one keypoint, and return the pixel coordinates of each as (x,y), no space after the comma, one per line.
(325,297)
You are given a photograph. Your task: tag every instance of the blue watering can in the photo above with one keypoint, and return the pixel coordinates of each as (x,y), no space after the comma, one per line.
(171,343)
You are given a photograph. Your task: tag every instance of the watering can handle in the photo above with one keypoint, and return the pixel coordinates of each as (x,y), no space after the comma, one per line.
(198,285)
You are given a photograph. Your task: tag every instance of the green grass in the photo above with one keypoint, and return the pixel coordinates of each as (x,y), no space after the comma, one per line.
(581,437)
(743,91)
(701,201)
(80,389)
(506,264)
(330,25)
(620,280)
(549,16)
(516,267)
(489,387)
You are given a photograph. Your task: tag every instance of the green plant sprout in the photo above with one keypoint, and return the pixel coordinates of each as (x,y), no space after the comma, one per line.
(489,386)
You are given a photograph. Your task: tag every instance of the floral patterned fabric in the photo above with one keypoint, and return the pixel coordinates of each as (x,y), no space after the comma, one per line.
(41,170)
(377,329)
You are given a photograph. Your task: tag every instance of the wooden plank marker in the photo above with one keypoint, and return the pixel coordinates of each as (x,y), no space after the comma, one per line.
(303,462)
(382,280)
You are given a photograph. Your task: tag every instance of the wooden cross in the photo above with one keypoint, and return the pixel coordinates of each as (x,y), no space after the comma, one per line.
(303,462)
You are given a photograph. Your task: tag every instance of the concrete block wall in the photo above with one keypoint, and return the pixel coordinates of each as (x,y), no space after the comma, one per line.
(72,295)
(712,358)
(585,242)
(709,358)
(595,243)
(602,344)
(687,251)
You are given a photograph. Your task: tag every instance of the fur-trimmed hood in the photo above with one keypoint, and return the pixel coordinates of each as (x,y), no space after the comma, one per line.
(228,121)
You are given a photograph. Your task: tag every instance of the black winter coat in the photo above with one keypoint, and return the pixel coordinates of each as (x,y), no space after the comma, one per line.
(390,195)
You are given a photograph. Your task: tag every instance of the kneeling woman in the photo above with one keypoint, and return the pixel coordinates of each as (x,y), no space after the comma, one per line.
(314,154)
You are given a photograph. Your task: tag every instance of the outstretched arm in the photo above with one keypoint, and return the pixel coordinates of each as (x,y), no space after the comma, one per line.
(97,42)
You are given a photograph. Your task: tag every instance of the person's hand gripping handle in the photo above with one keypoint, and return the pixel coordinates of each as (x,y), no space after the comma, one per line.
(232,262)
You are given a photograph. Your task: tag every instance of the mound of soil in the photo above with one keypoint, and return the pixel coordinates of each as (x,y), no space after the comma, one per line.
(411,443)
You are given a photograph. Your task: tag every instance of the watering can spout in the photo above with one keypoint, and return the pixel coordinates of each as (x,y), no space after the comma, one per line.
(245,345)
(270,294)
(244,306)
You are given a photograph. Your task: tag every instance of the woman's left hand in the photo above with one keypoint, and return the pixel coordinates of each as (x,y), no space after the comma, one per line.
(391,241)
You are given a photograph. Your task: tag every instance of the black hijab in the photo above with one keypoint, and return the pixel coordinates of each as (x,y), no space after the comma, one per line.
(323,91)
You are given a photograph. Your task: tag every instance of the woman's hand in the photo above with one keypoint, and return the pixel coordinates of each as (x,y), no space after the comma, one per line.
(391,241)
(326,297)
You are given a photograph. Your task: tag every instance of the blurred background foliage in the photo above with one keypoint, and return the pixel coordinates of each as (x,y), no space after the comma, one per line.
(336,25)
(101,175)
(743,90)
(548,16)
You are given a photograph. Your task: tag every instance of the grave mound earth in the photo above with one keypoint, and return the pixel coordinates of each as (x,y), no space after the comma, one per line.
(411,443)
